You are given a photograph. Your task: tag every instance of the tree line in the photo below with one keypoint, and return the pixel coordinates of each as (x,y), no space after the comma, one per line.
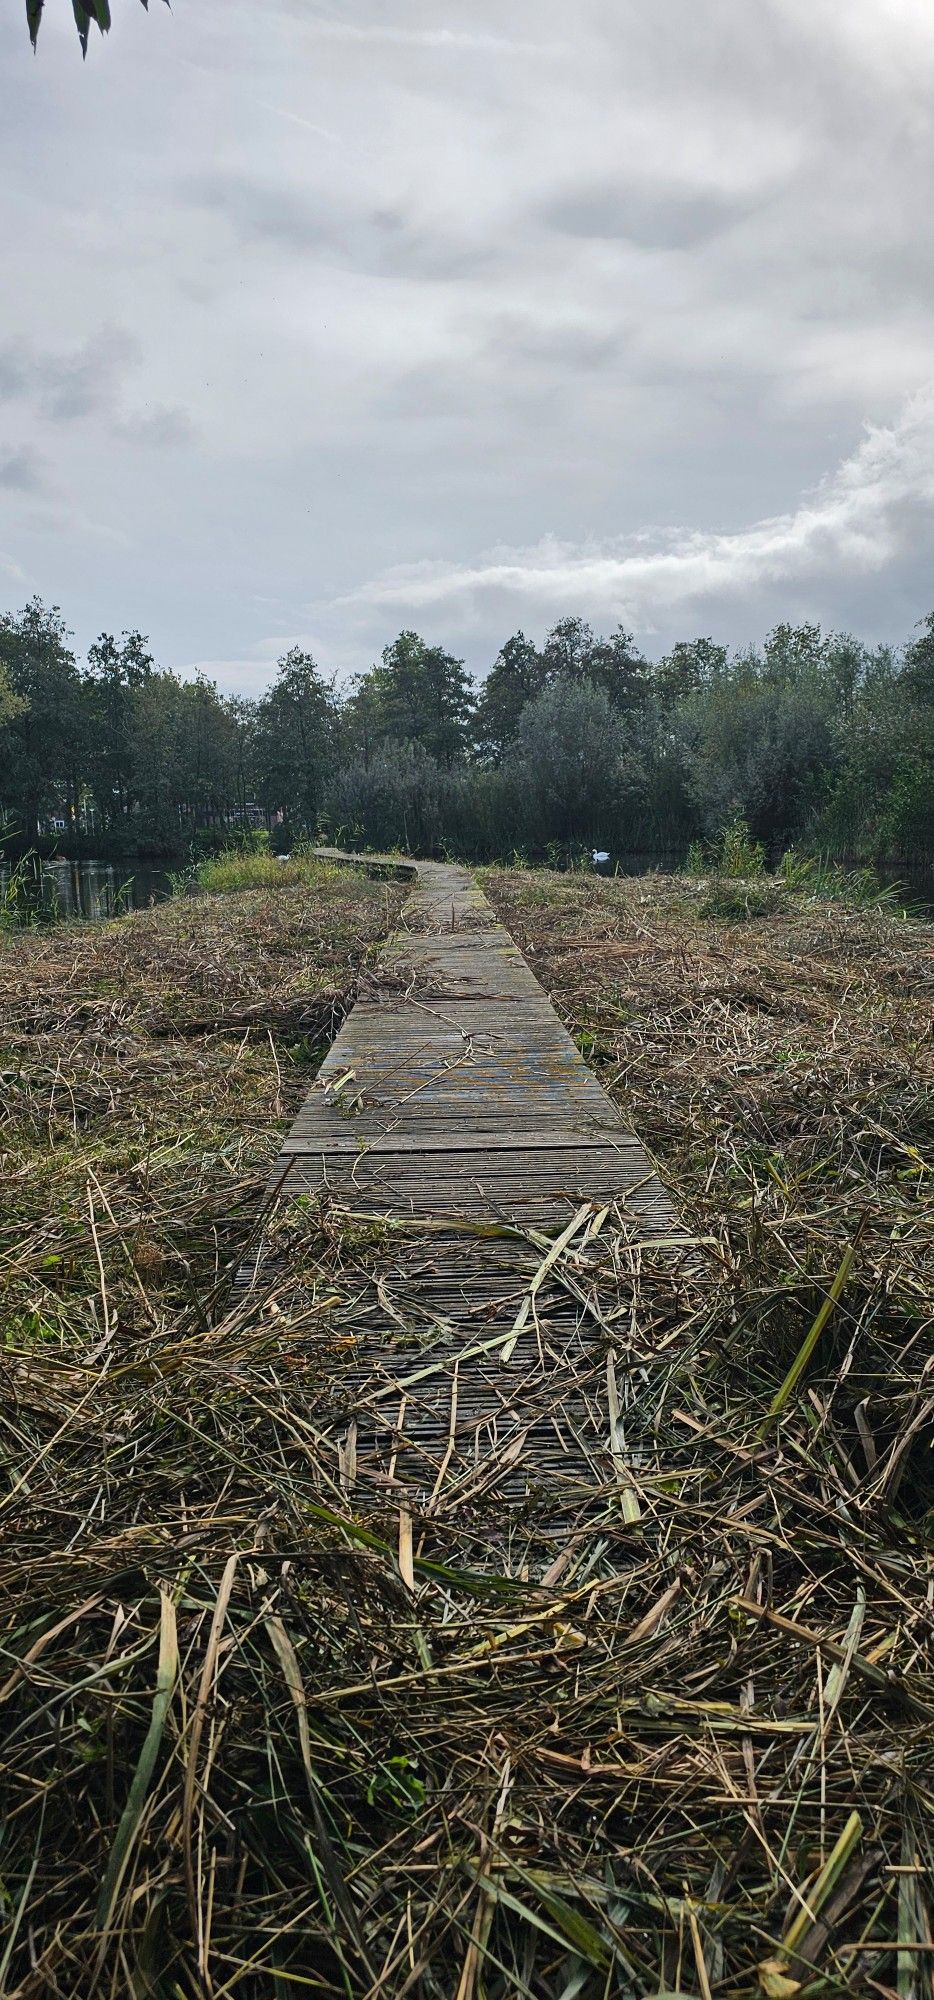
(814,739)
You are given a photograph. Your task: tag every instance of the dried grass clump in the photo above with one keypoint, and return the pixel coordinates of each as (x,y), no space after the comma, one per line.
(146,1069)
(659,1725)
(781,1069)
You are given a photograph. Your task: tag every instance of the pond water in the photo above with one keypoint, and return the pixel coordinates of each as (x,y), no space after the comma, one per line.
(100,889)
(913,887)
(97,888)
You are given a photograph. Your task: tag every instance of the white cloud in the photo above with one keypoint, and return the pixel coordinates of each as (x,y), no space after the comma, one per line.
(862,516)
(429,38)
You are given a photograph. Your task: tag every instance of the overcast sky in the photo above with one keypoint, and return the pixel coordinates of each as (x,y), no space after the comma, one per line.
(320,320)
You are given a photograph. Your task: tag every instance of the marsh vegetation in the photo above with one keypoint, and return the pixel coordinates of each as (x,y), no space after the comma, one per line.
(685,1750)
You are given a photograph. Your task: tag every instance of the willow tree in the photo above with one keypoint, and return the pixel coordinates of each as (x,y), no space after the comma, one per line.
(85,12)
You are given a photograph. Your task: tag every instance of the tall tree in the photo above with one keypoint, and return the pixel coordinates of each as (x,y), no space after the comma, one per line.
(361,719)
(762,739)
(116,670)
(793,653)
(881,805)
(423,695)
(573,652)
(209,752)
(691,665)
(918,669)
(295,735)
(43,747)
(846,663)
(160,761)
(517,675)
(241,712)
(567,757)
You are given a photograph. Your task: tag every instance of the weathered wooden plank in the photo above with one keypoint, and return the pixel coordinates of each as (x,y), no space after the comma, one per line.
(457,1141)
(453,1096)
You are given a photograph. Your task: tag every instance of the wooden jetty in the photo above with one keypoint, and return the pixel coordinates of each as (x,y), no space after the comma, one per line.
(455,1125)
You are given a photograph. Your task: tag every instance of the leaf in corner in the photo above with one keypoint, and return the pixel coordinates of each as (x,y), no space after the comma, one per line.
(83,24)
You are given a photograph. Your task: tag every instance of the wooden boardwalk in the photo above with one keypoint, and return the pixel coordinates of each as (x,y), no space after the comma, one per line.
(454,1108)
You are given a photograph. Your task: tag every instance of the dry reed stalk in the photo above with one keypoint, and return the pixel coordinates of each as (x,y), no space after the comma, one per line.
(466,1723)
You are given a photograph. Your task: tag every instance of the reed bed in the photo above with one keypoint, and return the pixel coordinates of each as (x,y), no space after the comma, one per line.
(659,1725)
(780,1066)
(146,1068)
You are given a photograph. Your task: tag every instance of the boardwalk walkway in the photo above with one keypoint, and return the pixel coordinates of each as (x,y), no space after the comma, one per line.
(455,1124)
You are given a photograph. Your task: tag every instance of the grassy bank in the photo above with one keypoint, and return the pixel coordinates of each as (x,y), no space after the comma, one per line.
(235,869)
(683,1748)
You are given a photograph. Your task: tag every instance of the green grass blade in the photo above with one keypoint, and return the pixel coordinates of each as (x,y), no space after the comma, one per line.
(812,1336)
(166,1676)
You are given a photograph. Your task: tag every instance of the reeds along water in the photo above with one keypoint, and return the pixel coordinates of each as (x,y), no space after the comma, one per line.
(52,889)
(28,894)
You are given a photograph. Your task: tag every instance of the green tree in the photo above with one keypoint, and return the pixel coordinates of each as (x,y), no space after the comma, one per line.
(880,805)
(160,760)
(793,653)
(420,694)
(43,746)
(918,670)
(241,713)
(361,719)
(296,731)
(573,652)
(208,759)
(762,740)
(11,704)
(116,670)
(517,675)
(567,758)
(691,665)
(846,662)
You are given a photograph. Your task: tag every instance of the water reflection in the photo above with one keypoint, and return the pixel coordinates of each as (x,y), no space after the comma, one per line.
(97,889)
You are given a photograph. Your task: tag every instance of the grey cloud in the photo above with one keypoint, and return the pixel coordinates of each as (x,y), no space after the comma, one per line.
(14,376)
(380,241)
(433,38)
(519,359)
(259,213)
(653,218)
(69,385)
(873,509)
(562,349)
(417,296)
(90,378)
(165,426)
(21,471)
